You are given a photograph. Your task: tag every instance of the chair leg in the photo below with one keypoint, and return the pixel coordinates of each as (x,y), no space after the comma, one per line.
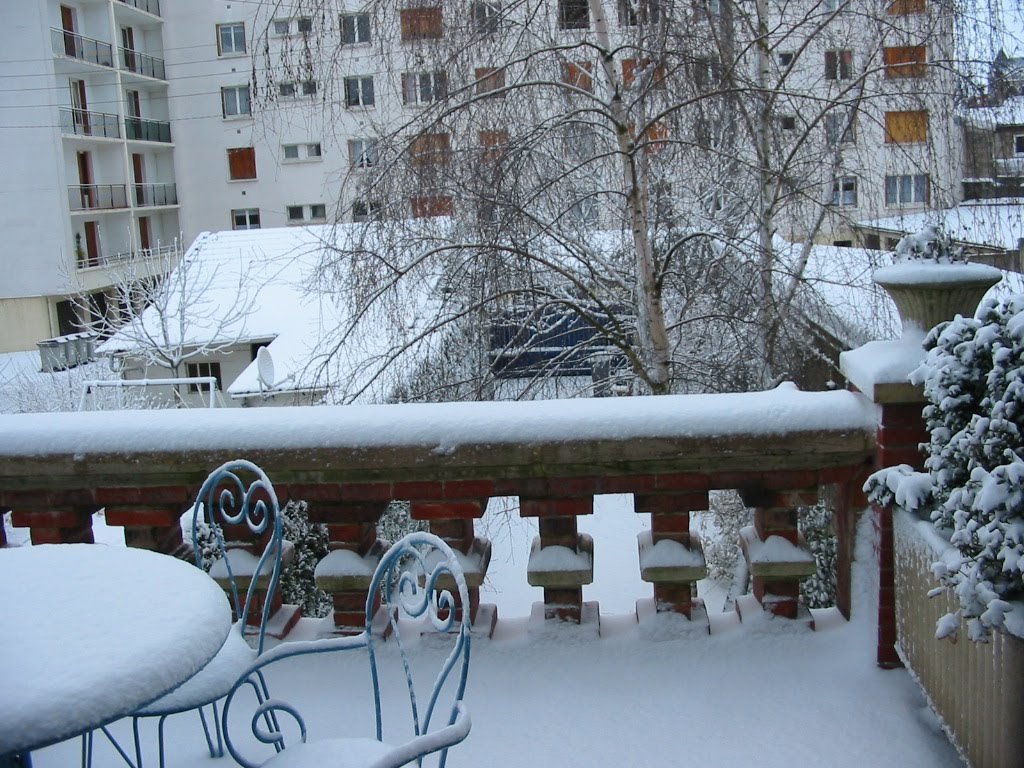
(218,750)
(87,749)
(120,750)
(160,737)
(138,741)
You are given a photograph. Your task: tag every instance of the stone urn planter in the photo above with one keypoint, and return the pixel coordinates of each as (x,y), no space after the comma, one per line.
(927,293)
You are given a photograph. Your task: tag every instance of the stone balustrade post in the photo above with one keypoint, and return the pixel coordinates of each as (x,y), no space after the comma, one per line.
(150,517)
(58,517)
(561,558)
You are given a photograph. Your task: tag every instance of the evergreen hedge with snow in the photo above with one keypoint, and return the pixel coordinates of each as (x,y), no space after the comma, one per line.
(973,489)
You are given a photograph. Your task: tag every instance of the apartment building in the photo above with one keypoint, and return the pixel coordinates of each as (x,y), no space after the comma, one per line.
(131,123)
(89,184)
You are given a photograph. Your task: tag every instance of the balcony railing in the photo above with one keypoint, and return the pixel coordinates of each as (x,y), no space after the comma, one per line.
(139,129)
(76,46)
(81,122)
(1010,166)
(142,64)
(149,6)
(91,197)
(147,195)
(141,254)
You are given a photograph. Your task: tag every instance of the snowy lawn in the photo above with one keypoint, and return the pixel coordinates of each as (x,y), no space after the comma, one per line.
(743,696)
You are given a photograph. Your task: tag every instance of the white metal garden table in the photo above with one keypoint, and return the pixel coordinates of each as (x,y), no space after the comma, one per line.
(89,633)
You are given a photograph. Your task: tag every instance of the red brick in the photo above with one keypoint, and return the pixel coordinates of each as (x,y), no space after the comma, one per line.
(556,507)
(49,518)
(445,510)
(326,512)
(564,604)
(468,489)
(629,484)
(891,457)
(791,480)
(349,601)
(833,475)
(142,517)
(425,490)
(558,532)
(674,598)
(682,482)
(676,527)
(312,492)
(573,486)
(453,529)
(894,437)
(521,486)
(737,480)
(784,588)
(47,536)
(669,503)
(166,539)
(345,532)
(902,415)
(367,492)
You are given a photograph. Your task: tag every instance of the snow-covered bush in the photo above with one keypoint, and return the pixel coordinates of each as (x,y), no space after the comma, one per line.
(722,546)
(930,244)
(819,589)
(396,522)
(310,541)
(973,489)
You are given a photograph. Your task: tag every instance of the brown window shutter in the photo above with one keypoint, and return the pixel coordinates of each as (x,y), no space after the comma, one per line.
(242,163)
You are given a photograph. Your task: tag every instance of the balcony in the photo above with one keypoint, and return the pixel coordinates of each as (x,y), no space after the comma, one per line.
(149,6)
(142,64)
(1010,166)
(140,129)
(144,254)
(75,46)
(97,197)
(80,122)
(149,195)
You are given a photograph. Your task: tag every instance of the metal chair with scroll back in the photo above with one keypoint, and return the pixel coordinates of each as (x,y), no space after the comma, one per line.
(236,499)
(413,586)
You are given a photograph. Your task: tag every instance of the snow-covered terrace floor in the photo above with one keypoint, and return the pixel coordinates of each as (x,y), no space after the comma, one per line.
(757,696)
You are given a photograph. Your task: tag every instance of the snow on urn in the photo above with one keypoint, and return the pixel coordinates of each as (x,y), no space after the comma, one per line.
(931,281)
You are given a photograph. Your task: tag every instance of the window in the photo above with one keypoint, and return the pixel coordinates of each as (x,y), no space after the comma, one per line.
(242,163)
(203,369)
(427,206)
(907,189)
(318,212)
(362,153)
(905,61)
(494,144)
(282,26)
(1018,144)
(906,7)
(294,152)
(486,17)
(355,28)
(423,87)
(288,89)
(844,191)
(634,12)
(578,74)
(630,70)
(430,149)
(838,65)
(245,218)
(304,24)
(365,210)
(297,214)
(787,122)
(230,39)
(489,79)
(840,127)
(359,91)
(906,127)
(235,101)
(573,14)
(421,23)
(786,59)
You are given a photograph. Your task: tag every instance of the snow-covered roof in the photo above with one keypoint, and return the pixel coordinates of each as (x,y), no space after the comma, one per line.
(993,224)
(1009,113)
(257,285)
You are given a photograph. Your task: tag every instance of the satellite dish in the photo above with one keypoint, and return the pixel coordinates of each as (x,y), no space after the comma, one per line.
(265,367)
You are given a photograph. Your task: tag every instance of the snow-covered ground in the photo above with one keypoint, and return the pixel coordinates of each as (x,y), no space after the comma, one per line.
(759,696)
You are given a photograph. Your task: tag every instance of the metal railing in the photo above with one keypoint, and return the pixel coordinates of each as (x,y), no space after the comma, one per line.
(76,46)
(142,64)
(1010,166)
(149,6)
(140,129)
(88,197)
(144,253)
(147,195)
(81,122)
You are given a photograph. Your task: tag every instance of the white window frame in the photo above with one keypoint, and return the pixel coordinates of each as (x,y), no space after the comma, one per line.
(299,152)
(363,89)
(370,209)
(290,213)
(844,192)
(785,59)
(232,49)
(362,33)
(903,189)
(250,214)
(420,88)
(1018,144)
(362,153)
(840,127)
(281,27)
(841,74)
(230,97)
(486,17)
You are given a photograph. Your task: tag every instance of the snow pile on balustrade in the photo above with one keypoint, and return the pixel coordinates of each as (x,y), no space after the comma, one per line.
(774,549)
(666,554)
(441,428)
(343,563)
(557,558)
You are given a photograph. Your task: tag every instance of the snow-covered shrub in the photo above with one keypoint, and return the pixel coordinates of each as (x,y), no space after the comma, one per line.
(208,537)
(722,546)
(819,590)
(396,522)
(310,541)
(973,490)
(930,244)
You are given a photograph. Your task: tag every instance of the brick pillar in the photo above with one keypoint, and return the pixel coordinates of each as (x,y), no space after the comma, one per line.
(452,521)
(776,554)
(56,524)
(347,570)
(561,579)
(900,434)
(675,585)
(151,517)
(849,500)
